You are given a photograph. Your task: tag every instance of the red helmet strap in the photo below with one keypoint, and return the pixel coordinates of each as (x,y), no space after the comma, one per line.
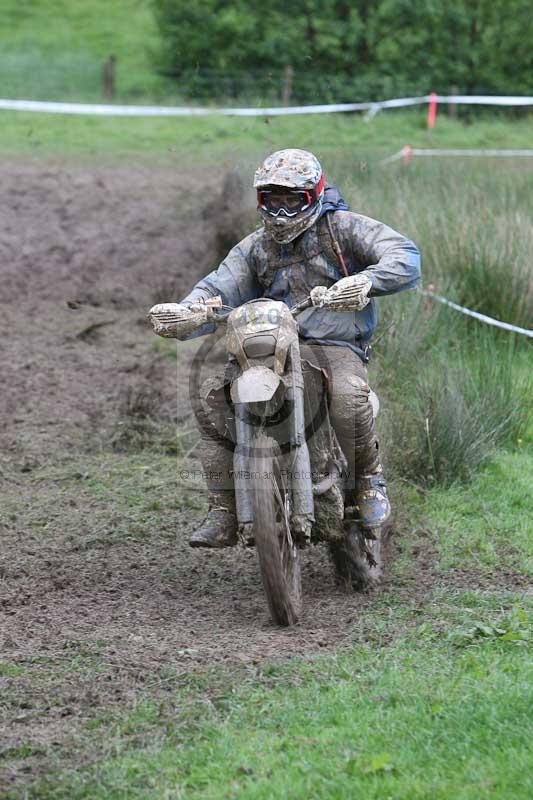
(319,187)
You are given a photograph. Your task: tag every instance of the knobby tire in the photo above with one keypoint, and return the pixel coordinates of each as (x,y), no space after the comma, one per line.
(277,553)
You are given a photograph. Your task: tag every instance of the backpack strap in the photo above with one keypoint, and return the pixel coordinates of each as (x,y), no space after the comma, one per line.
(335,244)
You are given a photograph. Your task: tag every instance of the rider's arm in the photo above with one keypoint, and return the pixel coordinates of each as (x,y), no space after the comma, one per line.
(235,279)
(390,260)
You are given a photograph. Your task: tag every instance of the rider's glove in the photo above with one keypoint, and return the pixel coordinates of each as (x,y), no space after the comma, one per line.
(318,296)
(175,320)
(349,294)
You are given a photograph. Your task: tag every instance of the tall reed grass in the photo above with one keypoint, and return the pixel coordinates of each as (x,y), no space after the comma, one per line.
(454,390)
(450,399)
(472,222)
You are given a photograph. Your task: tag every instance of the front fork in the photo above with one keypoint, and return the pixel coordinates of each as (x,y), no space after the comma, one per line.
(299,464)
(301,478)
(241,468)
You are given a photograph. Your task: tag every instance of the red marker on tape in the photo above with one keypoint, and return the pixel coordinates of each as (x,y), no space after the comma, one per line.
(406,154)
(432,111)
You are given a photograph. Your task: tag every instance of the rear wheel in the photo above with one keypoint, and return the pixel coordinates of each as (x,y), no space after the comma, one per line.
(358,561)
(276,549)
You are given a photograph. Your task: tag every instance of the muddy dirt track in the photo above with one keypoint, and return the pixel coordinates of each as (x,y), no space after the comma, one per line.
(84,252)
(95,613)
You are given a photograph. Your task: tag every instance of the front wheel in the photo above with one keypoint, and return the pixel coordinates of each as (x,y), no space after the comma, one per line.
(277,552)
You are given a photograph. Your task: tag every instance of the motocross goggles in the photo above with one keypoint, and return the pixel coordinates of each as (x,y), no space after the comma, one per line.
(282,201)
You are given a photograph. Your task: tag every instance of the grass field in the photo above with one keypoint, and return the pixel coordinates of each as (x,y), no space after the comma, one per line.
(430,695)
(421,690)
(54,49)
(423,705)
(337,137)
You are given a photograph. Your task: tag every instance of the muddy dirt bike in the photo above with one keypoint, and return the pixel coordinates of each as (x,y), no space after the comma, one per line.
(288,468)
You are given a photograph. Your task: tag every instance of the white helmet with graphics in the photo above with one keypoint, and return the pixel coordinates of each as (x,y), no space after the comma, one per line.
(290,191)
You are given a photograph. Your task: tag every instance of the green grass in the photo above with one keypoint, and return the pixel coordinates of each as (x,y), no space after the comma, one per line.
(453,390)
(343,141)
(10,670)
(470,221)
(54,49)
(130,494)
(438,708)
(489,523)
(431,699)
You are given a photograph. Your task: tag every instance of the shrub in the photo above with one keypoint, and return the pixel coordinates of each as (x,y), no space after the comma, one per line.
(453,405)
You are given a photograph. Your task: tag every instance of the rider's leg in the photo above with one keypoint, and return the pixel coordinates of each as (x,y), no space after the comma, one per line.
(352,417)
(219,528)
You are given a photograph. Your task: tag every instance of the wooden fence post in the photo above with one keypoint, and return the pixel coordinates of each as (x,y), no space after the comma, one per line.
(108,77)
(286,87)
(453,107)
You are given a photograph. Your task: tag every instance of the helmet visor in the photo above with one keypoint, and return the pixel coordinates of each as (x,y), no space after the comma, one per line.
(284,203)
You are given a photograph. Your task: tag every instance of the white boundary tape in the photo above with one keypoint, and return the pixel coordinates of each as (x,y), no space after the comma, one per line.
(193,111)
(483,100)
(481,317)
(407,152)
(188,111)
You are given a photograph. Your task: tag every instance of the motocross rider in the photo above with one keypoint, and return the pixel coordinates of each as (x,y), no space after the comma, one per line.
(310,238)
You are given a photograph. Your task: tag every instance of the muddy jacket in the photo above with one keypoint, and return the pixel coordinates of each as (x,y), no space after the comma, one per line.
(260,267)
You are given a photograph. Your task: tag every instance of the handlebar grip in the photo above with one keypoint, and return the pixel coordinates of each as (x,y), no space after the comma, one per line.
(299,307)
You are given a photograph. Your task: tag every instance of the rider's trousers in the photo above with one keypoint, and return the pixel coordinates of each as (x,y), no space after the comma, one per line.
(350,412)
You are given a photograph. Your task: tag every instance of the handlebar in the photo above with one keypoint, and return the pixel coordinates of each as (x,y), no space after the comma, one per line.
(213,310)
(302,306)
(215,305)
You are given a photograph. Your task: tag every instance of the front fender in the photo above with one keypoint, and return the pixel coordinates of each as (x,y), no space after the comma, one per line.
(255,385)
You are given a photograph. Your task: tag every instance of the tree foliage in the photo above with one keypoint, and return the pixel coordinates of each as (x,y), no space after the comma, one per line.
(345,50)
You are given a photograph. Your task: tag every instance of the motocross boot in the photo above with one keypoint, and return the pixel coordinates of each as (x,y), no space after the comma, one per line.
(219,528)
(371,502)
